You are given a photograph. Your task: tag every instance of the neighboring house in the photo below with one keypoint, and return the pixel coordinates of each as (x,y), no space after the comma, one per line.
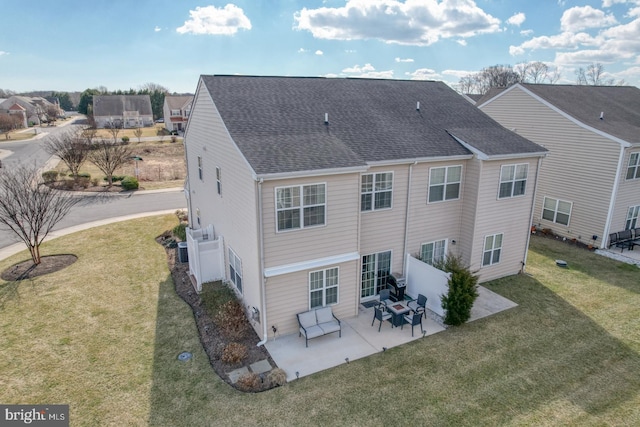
(34,107)
(320,188)
(590,183)
(124,111)
(176,110)
(21,112)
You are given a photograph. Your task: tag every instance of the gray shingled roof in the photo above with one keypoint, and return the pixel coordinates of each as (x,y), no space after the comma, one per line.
(620,105)
(278,122)
(177,102)
(115,105)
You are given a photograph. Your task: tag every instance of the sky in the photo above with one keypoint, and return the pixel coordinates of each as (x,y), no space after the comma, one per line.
(69,45)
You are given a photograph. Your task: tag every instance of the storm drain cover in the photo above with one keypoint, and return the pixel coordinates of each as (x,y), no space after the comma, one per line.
(185,355)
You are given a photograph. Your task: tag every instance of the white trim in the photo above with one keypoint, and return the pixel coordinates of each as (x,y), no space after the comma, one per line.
(512,181)
(373,191)
(397,162)
(555,211)
(311,264)
(324,286)
(444,190)
(311,173)
(301,207)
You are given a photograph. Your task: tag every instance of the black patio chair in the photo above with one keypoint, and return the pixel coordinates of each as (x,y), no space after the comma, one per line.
(414,319)
(421,302)
(380,314)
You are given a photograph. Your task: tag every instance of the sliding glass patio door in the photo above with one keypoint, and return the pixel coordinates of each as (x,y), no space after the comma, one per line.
(375,270)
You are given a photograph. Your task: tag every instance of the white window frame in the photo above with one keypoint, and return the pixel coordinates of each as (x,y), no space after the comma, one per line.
(235,270)
(376,280)
(633,168)
(326,285)
(299,206)
(175,113)
(493,251)
(555,211)
(448,182)
(632,218)
(438,251)
(219,180)
(200,172)
(373,191)
(513,180)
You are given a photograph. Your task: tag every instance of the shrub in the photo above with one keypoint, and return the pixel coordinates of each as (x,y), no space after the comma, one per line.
(50,176)
(277,377)
(114,178)
(125,139)
(180,231)
(249,382)
(94,182)
(231,319)
(234,353)
(83,182)
(130,183)
(84,175)
(462,293)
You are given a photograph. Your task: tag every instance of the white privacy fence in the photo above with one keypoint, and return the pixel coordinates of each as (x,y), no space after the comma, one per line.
(422,278)
(206,256)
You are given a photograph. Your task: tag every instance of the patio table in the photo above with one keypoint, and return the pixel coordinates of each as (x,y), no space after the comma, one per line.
(398,310)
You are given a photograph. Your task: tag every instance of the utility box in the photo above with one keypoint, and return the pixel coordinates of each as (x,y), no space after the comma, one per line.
(183,252)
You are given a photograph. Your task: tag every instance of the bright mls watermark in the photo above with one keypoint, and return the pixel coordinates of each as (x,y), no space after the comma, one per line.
(35,415)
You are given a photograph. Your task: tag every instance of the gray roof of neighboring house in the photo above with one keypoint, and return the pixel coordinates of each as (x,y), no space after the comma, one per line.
(177,102)
(279,122)
(620,106)
(115,105)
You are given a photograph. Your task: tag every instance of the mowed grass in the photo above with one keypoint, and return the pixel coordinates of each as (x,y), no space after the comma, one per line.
(104,336)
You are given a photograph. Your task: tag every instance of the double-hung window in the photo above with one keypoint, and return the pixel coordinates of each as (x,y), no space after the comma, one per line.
(300,206)
(633,171)
(323,287)
(557,211)
(492,249)
(219,180)
(632,217)
(200,168)
(513,180)
(235,270)
(444,183)
(433,252)
(376,191)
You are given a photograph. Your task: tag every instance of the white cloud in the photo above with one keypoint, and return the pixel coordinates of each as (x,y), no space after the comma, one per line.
(517,19)
(526,33)
(404,60)
(319,52)
(2,52)
(609,3)
(564,40)
(157,29)
(461,42)
(219,21)
(582,17)
(424,74)
(367,71)
(458,73)
(302,50)
(412,22)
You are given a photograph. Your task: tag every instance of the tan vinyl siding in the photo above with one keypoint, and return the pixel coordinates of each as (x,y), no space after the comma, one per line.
(384,229)
(288,295)
(233,214)
(509,216)
(338,235)
(465,242)
(579,168)
(628,195)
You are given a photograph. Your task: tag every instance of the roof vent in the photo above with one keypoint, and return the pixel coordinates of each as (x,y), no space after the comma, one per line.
(601,115)
(326,118)
(418,106)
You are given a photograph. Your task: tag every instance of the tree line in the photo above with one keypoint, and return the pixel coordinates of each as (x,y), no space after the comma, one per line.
(155,91)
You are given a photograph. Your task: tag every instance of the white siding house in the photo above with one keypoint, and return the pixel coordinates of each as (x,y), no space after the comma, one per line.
(323,187)
(176,110)
(588,184)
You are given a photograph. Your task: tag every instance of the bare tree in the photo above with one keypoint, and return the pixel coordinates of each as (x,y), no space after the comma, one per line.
(594,75)
(502,76)
(138,133)
(9,122)
(109,156)
(51,113)
(537,72)
(29,208)
(114,127)
(71,146)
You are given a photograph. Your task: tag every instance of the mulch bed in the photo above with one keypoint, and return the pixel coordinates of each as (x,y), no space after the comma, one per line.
(28,270)
(212,340)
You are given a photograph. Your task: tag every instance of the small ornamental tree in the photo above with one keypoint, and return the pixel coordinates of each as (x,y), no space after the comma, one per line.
(463,291)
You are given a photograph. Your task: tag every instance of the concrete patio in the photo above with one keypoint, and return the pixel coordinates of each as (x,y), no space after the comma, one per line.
(360,339)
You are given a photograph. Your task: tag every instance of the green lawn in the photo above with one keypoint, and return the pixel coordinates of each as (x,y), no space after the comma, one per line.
(104,336)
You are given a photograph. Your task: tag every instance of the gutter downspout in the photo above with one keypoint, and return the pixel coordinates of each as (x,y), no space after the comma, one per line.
(533,206)
(612,201)
(263,292)
(406,219)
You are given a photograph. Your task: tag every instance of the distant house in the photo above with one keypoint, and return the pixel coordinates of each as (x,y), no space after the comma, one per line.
(312,191)
(124,111)
(35,108)
(589,184)
(176,111)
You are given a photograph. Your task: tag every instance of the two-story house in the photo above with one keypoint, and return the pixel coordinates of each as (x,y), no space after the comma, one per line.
(176,110)
(322,187)
(589,184)
(123,111)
